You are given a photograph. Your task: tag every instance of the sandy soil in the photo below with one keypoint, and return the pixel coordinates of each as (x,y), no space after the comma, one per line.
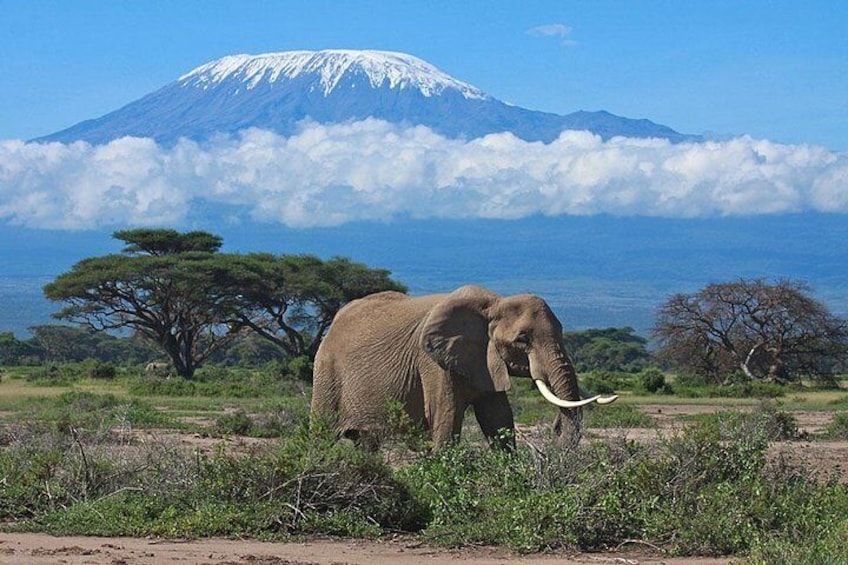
(38,549)
(828,459)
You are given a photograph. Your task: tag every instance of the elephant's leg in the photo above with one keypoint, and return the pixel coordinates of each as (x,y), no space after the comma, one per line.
(445,422)
(494,414)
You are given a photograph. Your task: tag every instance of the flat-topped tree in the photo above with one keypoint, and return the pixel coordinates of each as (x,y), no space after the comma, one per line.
(165,285)
(179,291)
(291,300)
(160,242)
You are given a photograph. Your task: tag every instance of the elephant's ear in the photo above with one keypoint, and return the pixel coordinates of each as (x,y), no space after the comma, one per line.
(456,336)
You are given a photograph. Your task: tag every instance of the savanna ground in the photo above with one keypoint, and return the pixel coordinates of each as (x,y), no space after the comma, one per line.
(808,437)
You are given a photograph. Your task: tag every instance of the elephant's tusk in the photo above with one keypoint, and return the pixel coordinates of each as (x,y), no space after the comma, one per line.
(557,401)
(608,399)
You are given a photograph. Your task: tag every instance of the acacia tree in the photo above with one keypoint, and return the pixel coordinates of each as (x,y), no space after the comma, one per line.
(165,286)
(177,290)
(291,300)
(763,331)
(608,349)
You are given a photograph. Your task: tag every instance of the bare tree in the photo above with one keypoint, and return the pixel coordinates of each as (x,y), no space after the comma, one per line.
(763,331)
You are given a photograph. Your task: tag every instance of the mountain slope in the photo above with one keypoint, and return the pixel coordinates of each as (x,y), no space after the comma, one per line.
(276,91)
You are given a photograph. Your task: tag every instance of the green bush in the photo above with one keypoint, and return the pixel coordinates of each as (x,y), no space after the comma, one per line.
(616,416)
(652,380)
(88,412)
(101,370)
(300,368)
(828,549)
(838,427)
(235,423)
(221,382)
(748,389)
(598,383)
(765,420)
(707,490)
(56,374)
(311,484)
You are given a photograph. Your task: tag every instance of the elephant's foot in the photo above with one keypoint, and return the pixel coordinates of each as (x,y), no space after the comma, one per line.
(363,439)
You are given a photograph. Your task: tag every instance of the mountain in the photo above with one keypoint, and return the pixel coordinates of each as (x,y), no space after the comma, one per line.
(275,91)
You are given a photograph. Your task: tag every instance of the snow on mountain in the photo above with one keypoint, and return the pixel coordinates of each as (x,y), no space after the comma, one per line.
(277,91)
(330,67)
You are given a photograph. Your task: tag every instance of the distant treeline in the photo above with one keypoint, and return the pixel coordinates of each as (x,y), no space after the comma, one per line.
(608,349)
(67,344)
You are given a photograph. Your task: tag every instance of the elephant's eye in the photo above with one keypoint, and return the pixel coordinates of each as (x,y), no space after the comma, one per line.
(522,339)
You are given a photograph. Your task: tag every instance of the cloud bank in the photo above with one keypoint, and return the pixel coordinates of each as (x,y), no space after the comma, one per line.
(372,170)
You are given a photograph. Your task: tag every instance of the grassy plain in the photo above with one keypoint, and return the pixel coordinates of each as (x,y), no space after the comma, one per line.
(232,455)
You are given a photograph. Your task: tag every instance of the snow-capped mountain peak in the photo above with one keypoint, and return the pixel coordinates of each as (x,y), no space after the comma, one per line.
(279,91)
(330,67)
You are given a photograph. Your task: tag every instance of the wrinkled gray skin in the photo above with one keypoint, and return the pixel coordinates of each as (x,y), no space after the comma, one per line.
(436,355)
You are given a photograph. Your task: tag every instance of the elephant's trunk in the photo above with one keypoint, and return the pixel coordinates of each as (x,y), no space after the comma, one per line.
(556,380)
(552,369)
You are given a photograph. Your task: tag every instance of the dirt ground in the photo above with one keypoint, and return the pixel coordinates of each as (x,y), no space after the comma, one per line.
(39,549)
(828,459)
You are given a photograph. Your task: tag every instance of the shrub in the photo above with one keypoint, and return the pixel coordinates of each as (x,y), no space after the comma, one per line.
(102,370)
(707,490)
(310,484)
(747,389)
(218,381)
(300,368)
(55,375)
(838,427)
(607,382)
(617,416)
(652,380)
(235,423)
(598,383)
(765,421)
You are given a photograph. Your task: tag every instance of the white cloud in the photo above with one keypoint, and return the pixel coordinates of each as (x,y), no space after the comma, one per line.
(561,31)
(372,170)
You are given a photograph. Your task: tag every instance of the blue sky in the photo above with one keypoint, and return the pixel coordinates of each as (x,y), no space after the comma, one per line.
(776,70)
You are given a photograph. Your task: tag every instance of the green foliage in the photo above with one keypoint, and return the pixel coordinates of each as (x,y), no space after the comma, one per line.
(291,300)
(708,490)
(828,549)
(616,416)
(158,242)
(67,344)
(609,349)
(102,370)
(748,389)
(248,350)
(55,375)
(16,352)
(838,427)
(234,423)
(87,411)
(178,291)
(403,430)
(608,382)
(765,420)
(684,495)
(64,374)
(300,368)
(310,485)
(223,382)
(652,380)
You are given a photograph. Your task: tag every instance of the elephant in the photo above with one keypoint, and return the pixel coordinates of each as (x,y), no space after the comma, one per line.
(436,355)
